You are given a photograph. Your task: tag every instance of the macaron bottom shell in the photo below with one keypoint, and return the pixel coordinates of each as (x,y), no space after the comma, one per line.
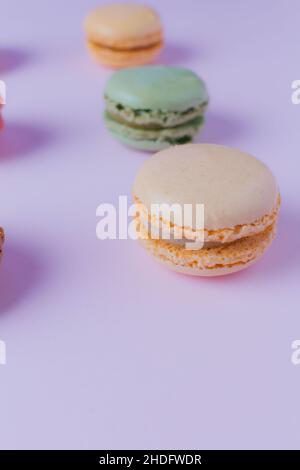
(153,139)
(122,58)
(217,261)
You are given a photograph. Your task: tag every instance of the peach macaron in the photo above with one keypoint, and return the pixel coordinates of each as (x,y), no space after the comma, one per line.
(123,34)
(240,200)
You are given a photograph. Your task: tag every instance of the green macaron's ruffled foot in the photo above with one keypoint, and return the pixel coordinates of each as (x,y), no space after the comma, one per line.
(153,139)
(152,118)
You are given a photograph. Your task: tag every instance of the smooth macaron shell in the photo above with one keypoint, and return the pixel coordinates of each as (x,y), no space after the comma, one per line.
(241,205)
(122,35)
(157,88)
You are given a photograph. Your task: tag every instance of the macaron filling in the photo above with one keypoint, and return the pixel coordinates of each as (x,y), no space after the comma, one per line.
(170,236)
(119,58)
(152,118)
(162,228)
(156,43)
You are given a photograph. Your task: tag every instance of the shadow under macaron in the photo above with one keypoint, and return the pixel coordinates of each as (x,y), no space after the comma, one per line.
(175,53)
(18,139)
(13,58)
(222,128)
(21,270)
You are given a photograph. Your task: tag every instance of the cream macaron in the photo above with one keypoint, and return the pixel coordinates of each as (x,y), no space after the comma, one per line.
(238,193)
(124,34)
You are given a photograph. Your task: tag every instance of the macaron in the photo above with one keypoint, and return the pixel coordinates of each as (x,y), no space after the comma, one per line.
(1,240)
(1,118)
(241,203)
(153,107)
(124,34)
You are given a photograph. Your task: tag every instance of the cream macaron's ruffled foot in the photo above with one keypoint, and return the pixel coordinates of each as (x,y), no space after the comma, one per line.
(224,259)
(241,206)
(210,237)
(124,35)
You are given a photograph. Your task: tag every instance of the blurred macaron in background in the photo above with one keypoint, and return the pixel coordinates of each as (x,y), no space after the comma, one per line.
(124,34)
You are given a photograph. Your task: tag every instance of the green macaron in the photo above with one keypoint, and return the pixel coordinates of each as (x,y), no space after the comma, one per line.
(153,107)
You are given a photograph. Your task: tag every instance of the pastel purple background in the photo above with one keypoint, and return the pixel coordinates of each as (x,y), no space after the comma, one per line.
(106,348)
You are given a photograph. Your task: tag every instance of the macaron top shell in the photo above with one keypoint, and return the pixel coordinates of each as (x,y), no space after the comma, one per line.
(157,87)
(124,25)
(234,187)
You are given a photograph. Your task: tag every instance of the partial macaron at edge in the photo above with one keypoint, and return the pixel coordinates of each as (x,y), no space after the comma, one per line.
(2,238)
